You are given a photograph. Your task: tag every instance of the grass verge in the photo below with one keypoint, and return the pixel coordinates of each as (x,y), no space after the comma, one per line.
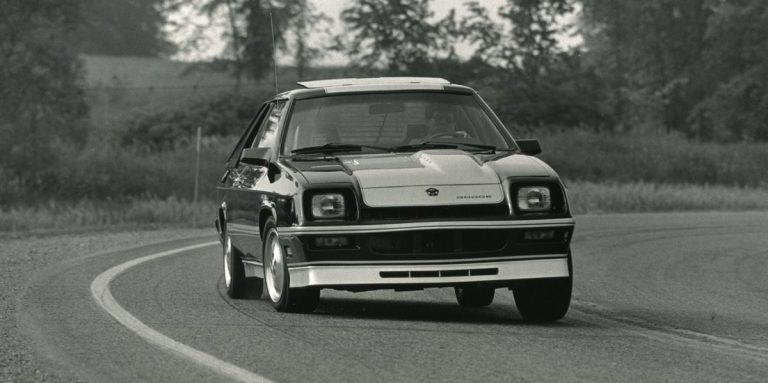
(590,197)
(58,216)
(585,197)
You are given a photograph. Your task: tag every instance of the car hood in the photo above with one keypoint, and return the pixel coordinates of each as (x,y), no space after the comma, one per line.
(428,177)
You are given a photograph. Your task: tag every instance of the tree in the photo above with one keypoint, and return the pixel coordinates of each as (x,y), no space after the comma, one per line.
(250,27)
(540,82)
(124,28)
(396,36)
(649,53)
(735,105)
(41,104)
(307,22)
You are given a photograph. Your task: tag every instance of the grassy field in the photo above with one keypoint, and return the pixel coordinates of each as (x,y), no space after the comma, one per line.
(666,159)
(585,198)
(90,215)
(107,186)
(594,198)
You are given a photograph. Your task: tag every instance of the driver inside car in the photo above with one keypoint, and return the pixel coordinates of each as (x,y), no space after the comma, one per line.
(441,123)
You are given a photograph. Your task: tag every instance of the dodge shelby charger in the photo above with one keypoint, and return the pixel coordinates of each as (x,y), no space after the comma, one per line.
(392,183)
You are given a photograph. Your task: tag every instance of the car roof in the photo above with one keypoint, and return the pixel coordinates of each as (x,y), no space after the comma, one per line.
(374,81)
(372,84)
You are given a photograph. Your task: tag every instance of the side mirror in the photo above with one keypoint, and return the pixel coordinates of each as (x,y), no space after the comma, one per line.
(256,156)
(260,157)
(529,147)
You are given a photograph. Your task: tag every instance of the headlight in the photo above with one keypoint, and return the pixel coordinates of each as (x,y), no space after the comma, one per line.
(534,198)
(328,205)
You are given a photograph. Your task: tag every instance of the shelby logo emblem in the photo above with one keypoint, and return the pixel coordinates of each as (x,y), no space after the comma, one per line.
(432,192)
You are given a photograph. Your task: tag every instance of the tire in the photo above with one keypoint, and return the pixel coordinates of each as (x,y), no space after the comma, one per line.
(238,286)
(545,300)
(277,278)
(474,296)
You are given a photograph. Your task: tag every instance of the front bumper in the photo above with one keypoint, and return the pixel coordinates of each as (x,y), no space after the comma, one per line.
(428,253)
(438,274)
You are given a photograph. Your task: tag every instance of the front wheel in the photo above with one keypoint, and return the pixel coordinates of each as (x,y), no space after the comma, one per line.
(284,298)
(544,300)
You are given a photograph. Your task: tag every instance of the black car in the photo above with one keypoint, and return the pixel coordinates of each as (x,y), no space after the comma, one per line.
(392,183)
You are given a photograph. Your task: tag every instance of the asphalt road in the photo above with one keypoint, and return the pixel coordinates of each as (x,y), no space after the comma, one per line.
(675,297)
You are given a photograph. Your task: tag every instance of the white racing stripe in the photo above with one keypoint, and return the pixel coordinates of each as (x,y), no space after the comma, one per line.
(102,295)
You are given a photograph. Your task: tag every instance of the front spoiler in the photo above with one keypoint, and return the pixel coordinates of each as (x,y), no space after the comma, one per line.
(547,266)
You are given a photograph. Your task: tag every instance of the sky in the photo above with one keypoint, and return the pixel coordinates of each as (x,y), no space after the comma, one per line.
(210,45)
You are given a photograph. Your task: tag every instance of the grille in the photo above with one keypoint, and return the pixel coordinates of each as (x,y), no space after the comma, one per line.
(439,241)
(438,273)
(435,212)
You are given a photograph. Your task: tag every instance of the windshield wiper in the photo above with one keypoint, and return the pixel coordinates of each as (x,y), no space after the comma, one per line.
(333,147)
(449,145)
(424,145)
(467,144)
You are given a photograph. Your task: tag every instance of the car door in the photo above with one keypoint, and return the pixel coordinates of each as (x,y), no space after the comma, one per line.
(250,187)
(232,180)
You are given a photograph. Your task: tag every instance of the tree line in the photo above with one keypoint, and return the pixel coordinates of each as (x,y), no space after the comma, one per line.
(697,68)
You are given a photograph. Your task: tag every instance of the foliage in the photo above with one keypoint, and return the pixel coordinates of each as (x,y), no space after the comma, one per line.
(307,22)
(653,158)
(585,198)
(108,172)
(89,214)
(221,115)
(256,28)
(41,104)
(123,28)
(541,83)
(736,106)
(645,197)
(396,36)
(692,66)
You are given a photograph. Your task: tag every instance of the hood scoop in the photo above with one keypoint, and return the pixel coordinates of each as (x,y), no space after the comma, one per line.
(426,178)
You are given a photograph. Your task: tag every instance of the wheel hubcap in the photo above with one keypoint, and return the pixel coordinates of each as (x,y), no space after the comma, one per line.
(227,261)
(275,273)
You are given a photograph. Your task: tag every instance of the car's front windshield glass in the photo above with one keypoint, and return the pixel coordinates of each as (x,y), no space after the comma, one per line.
(390,120)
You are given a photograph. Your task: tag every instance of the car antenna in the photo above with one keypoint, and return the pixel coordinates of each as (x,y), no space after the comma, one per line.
(274,49)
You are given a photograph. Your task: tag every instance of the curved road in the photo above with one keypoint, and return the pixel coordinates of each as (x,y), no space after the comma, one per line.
(657,297)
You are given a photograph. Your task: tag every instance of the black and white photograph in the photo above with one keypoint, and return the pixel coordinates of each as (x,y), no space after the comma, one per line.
(299,191)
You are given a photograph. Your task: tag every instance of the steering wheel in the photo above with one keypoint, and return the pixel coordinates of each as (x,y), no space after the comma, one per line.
(458,134)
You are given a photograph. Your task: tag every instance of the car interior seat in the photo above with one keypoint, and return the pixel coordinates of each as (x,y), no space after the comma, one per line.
(323,134)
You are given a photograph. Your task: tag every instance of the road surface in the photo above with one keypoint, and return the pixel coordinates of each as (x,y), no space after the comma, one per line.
(657,297)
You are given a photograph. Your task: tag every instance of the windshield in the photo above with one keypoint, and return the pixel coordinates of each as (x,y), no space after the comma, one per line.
(390,120)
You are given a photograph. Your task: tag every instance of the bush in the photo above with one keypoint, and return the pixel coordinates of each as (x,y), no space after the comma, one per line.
(591,197)
(587,156)
(107,173)
(221,115)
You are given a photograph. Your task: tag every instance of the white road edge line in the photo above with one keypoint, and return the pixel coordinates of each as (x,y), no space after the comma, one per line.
(102,295)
